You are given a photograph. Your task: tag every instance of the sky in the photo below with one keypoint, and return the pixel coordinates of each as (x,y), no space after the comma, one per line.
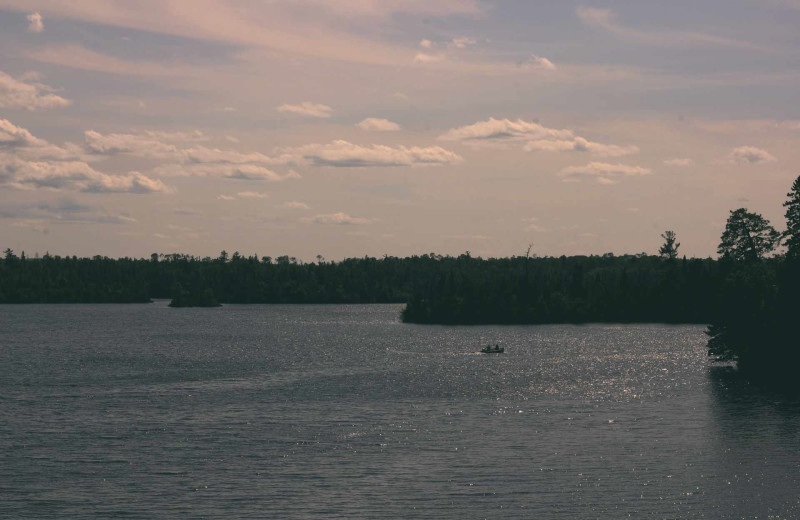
(385,127)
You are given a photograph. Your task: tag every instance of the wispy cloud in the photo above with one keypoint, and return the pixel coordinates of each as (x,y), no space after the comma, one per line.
(462,42)
(19,94)
(293,204)
(579,144)
(606,19)
(374,124)
(605,173)
(422,57)
(679,162)
(751,155)
(342,219)
(194,160)
(345,154)
(504,129)
(307,108)
(539,62)
(539,137)
(65,210)
(79,57)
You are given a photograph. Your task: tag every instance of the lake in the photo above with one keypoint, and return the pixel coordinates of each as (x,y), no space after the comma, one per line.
(271,411)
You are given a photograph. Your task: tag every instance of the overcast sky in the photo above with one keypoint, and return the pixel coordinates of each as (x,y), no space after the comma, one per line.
(369,127)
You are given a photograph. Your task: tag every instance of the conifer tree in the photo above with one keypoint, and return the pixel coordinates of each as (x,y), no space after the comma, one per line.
(792,232)
(669,249)
(747,237)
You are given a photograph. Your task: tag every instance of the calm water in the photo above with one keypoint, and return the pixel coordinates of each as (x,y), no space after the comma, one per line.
(343,412)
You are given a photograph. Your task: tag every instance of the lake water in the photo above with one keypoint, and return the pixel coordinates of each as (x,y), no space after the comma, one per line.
(262,411)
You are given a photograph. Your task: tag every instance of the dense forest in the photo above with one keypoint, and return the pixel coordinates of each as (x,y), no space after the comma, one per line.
(438,289)
(631,288)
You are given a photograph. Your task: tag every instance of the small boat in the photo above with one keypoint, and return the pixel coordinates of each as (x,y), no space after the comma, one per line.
(488,349)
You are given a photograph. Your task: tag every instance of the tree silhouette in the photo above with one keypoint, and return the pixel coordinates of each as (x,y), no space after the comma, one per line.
(670,247)
(792,233)
(747,237)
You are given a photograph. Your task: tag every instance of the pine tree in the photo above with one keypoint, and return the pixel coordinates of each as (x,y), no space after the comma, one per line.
(792,232)
(669,249)
(747,237)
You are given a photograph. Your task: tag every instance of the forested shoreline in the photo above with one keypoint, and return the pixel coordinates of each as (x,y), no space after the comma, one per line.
(749,295)
(437,289)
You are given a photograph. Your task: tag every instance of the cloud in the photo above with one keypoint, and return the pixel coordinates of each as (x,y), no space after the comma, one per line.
(337,30)
(178,137)
(27,162)
(151,145)
(579,144)
(378,125)
(538,137)
(596,17)
(385,8)
(504,130)
(605,173)
(24,145)
(462,42)
(536,227)
(62,210)
(73,175)
(225,197)
(79,57)
(252,195)
(344,154)
(679,162)
(35,24)
(132,182)
(605,19)
(13,136)
(193,161)
(539,62)
(246,172)
(427,44)
(141,145)
(293,204)
(203,155)
(307,108)
(252,172)
(342,219)
(751,155)
(18,94)
(427,58)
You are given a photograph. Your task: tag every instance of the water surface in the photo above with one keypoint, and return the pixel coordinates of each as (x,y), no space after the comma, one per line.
(269,411)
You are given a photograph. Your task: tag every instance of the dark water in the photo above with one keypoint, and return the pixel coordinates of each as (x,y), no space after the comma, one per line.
(343,412)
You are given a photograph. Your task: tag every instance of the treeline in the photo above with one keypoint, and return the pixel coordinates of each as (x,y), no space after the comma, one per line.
(759,304)
(437,289)
(561,289)
(228,279)
(523,290)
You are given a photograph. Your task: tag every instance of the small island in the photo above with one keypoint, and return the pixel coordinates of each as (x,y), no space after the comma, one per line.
(193,298)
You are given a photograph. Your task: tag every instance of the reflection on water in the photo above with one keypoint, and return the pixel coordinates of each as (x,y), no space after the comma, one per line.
(755,435)
(342,411)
